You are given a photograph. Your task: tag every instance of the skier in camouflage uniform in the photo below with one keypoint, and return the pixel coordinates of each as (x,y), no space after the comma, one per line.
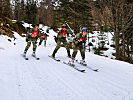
(62,39)
(43,37)
(78,44)
(31,37)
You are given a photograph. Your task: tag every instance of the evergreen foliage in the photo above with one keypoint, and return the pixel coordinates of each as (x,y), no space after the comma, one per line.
(5,8)
(75,12)
(31,11)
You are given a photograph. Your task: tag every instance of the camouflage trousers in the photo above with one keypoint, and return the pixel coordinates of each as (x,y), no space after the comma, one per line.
(29,44)
(75,50)
(59,41)
(41,40)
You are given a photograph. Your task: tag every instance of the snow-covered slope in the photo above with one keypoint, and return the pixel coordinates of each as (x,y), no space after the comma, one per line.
(46,79)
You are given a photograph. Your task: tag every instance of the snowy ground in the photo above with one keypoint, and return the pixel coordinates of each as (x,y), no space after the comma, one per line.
(94,39)
(47,79)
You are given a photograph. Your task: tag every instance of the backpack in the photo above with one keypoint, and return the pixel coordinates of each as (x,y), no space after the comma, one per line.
(63,33)
(80,37)
(33,34)
(43,36)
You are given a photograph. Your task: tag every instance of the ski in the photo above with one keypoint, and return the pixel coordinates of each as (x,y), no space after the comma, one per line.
(73,66)
(54,58)
(34,56)
(96,70)
(24,57)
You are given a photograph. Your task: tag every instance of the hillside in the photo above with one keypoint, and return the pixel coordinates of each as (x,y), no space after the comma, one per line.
(7,26)
(47,79)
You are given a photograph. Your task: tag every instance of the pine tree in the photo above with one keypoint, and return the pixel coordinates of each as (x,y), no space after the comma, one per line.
(1,8)
(22,10)
(76,12)
(45,12)
(31,11)
(102,38)
(119,15)
(5,8)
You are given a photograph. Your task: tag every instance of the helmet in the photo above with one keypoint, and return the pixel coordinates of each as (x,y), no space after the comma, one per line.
(84,29)
(34,25)
(63,26)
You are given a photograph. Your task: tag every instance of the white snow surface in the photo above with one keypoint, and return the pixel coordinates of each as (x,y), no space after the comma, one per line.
(46,79)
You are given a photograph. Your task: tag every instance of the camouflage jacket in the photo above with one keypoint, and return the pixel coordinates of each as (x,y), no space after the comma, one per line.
(79,39)
(32,34)
(62,34)
(43,36)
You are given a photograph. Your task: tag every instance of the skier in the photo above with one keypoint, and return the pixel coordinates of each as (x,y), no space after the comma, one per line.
(62,38)
(43,37)
(78,44)
(31,37)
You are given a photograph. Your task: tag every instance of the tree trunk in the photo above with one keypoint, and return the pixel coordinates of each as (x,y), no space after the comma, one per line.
(123,47)
(132,46)
(116,37)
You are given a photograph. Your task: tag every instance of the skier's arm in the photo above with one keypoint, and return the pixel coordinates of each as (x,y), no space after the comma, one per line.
(77,37)
(47,30)
(58,35)
(27,36)
(75,40)
(69,34)
(85,38)
(39,35)
(46,35)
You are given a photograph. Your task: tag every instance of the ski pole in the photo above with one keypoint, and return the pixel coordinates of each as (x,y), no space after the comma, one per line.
(71,37)
(69,27)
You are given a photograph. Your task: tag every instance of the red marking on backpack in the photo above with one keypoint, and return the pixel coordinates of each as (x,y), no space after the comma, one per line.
(81,39)
(43,35)
(63,33)
(34,34)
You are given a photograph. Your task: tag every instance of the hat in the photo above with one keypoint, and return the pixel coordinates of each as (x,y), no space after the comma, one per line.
(84,29)
(63,26)
(36,25)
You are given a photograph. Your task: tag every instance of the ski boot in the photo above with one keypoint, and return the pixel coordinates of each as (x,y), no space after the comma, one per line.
(83,62)
(71,63)
(24,54)
(33,54)
(53,55)
(69,55)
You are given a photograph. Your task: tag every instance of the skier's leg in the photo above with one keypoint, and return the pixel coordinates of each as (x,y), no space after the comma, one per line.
(74,53)
(67,48)
(45,42)
(56,48)
(75,50)
(34,47)
(82,51)
(40,42)
(27,47)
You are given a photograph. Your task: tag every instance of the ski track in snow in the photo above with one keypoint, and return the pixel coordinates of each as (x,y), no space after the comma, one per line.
(108,81)
(47,79)
(59,91)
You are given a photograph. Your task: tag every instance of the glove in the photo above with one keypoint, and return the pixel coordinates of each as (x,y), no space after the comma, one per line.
(68,38)
(80,43)
(76,43)
(27,40)
(36,38)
